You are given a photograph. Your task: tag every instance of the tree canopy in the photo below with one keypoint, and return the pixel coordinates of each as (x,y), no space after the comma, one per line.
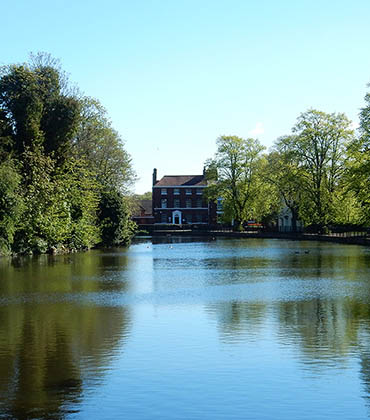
(60,159)
(235,170)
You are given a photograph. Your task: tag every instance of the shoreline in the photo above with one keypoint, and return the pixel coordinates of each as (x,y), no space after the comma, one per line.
(335,238)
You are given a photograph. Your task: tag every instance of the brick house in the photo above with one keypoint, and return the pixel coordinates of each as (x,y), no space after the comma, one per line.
(179,199)
(142,213)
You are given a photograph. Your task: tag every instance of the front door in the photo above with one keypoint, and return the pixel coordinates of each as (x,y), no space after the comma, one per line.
(176,217)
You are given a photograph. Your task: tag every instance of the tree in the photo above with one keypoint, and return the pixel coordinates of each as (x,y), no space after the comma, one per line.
(317,148)
(98,143)
(237,164)
(62,164)
(37,107)
(283,173)
(365,122)
(60,206)
(358,164)
(11,204)
(114,219)
(146,196)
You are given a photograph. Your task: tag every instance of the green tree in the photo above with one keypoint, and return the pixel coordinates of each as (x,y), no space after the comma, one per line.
(60,206)
(69,164)
(146,196)
(11,204)
(317,148)
(358,163)
(365,122)
(37,108)
(283,172)
(237,164)
(98,143)
(114,218)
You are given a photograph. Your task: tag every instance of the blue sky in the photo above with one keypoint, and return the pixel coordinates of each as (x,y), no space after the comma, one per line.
(175,75)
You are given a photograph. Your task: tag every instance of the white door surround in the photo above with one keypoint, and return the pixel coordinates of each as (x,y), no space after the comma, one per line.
(176,217)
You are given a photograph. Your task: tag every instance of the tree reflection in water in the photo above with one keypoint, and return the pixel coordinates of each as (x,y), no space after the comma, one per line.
(52,344)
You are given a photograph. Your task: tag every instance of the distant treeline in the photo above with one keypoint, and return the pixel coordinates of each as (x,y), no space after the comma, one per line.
(320,172)
(64,172)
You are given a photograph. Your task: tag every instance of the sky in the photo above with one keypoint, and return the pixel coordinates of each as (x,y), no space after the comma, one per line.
(174,75)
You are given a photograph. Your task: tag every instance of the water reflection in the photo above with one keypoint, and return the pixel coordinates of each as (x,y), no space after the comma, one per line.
(231,322)
(238,320)
(324,330)
(50,350)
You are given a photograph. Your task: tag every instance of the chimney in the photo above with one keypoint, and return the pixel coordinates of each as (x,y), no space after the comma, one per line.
(154,176)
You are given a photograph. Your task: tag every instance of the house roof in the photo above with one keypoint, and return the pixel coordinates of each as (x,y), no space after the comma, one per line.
(181,180)
(143,206)
(146,205)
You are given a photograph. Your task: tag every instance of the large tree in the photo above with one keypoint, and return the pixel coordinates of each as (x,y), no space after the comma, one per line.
(36,107)
(235,171)
(101,145)
(283,173)
(358,165)
(68,167)
(317,147)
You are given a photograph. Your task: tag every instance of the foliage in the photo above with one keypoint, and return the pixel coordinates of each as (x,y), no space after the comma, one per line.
(146,196)
(282,172)
(60,206)
(34,105)
(58,156)
(114,219)
(358,164)
(237,164)
(102,147)
(11,204)
(317,149)
(365,122)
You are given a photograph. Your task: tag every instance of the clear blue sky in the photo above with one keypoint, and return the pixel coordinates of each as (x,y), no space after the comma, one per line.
(175,75)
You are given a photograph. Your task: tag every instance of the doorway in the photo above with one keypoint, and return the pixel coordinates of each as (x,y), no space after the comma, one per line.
(176,217)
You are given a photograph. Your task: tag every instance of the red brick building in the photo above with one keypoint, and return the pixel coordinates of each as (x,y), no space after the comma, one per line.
(142,214)
(179,199)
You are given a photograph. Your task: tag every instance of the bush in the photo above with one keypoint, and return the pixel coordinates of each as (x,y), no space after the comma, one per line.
(10,204)
(115,224)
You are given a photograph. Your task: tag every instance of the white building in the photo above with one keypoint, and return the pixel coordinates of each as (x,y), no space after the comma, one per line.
(285,221)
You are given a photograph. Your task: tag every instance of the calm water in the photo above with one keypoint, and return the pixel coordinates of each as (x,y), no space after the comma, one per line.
(225,329)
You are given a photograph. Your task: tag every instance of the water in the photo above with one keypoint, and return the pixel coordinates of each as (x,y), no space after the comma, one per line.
(222,329)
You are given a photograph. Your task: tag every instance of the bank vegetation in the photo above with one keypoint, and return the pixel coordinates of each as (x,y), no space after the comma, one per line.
(64,171)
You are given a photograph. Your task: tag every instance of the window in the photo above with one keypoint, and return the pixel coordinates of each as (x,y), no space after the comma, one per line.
(164,191)
(219,204)
(188,202)
(164,203)
(163,218)
(176,202)
(189,218)
(188,191)
(199,202)
(198,218)
(199,191)
(176,191)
